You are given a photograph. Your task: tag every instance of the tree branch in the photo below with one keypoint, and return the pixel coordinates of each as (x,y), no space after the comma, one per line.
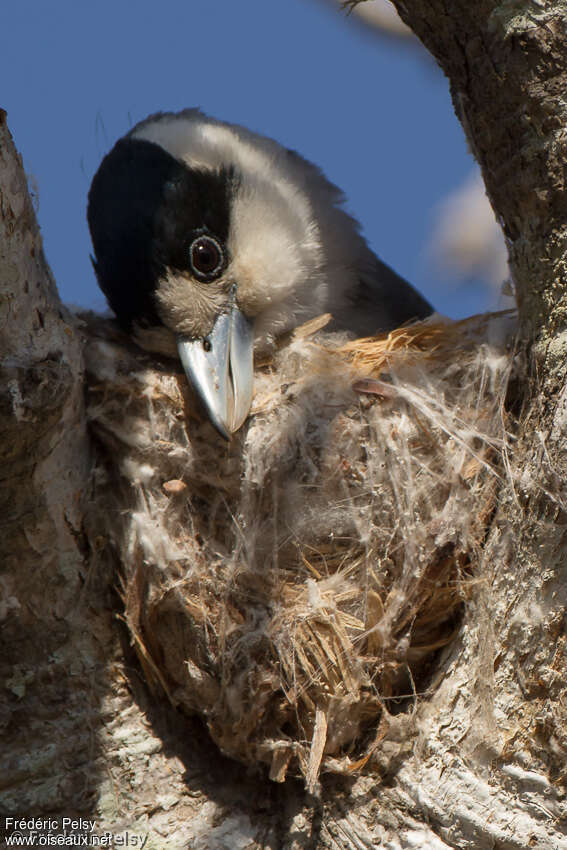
(507,67)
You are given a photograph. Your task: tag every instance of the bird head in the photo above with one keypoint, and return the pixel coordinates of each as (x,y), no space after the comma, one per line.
(205,245)
(210,241)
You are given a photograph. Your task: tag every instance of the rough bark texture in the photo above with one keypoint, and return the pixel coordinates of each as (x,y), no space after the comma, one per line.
(45,473)
(485,766)
(507,68)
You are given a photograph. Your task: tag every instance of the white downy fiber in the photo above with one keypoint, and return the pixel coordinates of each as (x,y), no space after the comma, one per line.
(296,587)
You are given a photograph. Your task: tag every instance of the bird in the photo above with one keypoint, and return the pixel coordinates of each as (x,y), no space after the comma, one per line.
(211,241)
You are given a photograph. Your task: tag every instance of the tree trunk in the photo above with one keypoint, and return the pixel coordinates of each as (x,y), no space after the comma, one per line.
(485,764)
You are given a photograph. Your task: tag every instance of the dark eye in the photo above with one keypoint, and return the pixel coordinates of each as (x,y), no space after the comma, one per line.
(206,257)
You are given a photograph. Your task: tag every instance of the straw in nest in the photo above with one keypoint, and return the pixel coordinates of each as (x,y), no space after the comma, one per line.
(298,586)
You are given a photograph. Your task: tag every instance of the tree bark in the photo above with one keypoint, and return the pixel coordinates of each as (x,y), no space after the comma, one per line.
(485,765)
(507,68)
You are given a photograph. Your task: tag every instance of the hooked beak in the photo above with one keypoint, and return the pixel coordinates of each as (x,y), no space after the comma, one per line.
(220,369)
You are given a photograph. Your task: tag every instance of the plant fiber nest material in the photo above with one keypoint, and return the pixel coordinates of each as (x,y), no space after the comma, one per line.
(297,586)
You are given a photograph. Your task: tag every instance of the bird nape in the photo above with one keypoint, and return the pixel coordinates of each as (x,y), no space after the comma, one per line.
(211,241)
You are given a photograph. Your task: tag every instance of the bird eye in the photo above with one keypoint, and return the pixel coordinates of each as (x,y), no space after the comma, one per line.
(206,257)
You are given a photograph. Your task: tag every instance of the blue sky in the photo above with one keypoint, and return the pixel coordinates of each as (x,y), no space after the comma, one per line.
(374,114)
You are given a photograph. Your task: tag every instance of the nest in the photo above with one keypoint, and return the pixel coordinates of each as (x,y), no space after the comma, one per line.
(297,586)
